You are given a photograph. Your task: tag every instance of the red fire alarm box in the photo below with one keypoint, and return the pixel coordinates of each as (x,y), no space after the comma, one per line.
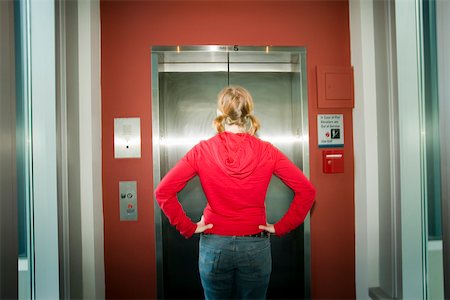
(333,161)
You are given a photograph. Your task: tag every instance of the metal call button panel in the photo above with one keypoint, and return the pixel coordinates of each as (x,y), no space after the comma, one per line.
(128,200)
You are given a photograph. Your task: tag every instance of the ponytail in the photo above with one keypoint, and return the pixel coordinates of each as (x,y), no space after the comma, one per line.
(218,123)
(254,124)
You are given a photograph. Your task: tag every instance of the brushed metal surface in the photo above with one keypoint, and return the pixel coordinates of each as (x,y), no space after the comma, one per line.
(184,106)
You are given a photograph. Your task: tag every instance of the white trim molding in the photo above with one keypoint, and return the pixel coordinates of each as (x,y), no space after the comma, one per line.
(365,147)
(90,149)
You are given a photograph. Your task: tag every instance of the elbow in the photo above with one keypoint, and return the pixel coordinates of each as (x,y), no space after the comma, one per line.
(157,192)
(159,195)
(162,195)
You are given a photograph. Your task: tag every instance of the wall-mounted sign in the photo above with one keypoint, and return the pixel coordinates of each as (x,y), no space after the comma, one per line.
(330,130)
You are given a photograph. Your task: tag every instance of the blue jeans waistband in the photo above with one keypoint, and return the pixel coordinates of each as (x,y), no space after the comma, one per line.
(262,234)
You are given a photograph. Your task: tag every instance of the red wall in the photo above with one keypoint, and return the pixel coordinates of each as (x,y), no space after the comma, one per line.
(128,31)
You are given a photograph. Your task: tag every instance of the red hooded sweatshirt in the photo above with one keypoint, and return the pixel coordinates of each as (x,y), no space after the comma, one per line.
(235,172)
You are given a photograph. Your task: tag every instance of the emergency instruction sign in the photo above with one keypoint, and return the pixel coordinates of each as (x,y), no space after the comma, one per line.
(330,130)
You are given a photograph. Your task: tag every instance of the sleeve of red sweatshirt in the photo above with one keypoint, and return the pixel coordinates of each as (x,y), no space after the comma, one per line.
(304,194)
(166,195)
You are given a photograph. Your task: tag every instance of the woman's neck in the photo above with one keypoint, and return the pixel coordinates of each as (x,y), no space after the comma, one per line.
(234,128)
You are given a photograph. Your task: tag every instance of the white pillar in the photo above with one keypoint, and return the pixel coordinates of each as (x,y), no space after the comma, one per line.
(90,149)
(365,147)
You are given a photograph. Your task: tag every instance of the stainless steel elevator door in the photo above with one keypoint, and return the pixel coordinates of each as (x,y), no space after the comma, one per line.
(187,106)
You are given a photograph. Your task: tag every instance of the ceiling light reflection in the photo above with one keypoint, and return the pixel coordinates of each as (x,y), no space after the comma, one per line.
(214,48)
(186,141)
(285,139)
(193,140)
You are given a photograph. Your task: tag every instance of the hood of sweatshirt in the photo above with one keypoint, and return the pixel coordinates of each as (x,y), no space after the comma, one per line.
(237,154)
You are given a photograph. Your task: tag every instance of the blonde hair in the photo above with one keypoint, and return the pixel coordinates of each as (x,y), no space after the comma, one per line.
(236,106)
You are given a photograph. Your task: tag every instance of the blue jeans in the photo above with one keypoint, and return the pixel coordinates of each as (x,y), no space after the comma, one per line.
(233,267)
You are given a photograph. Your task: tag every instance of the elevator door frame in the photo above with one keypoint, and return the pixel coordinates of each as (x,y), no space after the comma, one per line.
(218,53)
